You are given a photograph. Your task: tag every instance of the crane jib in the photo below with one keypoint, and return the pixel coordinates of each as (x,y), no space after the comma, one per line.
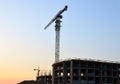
(57,15)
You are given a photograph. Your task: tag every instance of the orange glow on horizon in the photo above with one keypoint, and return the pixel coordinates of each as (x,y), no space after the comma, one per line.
(10,81)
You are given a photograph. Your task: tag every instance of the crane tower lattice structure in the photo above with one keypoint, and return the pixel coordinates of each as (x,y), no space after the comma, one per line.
(57,30)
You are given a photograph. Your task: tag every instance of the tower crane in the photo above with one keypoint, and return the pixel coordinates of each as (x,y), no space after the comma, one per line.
(38,70)
(57,20)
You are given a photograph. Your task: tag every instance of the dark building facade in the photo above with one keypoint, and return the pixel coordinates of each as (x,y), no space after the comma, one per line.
(28,82)
(42,79)
(78,71)
(45,79)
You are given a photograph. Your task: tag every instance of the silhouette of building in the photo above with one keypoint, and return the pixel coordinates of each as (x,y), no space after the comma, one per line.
(86,71)
(45,79)
(28,82)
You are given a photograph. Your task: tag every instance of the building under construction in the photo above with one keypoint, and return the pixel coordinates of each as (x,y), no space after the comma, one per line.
(87,71)
(81,71)
(45,79)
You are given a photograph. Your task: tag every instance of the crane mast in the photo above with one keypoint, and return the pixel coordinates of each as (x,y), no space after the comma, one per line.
(57,43)
(38,70)
(57,20)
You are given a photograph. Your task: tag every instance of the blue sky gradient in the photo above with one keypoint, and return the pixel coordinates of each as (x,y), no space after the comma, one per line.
(90,29)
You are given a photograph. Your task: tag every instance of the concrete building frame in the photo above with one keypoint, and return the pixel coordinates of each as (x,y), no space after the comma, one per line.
(77,71)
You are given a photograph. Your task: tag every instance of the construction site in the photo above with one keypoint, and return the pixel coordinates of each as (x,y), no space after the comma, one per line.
(80,71)
(76,71)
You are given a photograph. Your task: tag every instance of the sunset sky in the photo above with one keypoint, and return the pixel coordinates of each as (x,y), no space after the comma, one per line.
(90,29)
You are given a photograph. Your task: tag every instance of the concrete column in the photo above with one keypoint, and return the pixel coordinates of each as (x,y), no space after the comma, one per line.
(71,72)
(53,75)
(64,73)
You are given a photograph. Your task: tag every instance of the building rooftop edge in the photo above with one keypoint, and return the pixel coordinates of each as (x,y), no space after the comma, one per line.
(88,59)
